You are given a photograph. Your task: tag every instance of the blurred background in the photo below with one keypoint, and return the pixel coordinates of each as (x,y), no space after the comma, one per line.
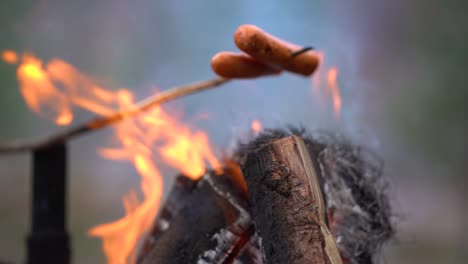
(402,78)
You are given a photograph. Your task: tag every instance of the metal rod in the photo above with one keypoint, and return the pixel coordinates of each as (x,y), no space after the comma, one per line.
(48,241)
(299,52)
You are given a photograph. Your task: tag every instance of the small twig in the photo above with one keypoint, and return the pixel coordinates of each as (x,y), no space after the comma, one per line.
(100,122)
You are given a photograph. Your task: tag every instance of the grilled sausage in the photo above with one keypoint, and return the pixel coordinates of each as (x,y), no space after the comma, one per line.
(271,50)
(239,65)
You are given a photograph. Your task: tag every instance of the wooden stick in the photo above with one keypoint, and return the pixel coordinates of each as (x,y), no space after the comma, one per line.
(100,122)
(287,204)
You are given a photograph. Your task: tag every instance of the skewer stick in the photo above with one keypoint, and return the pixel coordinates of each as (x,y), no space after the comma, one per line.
(101,122)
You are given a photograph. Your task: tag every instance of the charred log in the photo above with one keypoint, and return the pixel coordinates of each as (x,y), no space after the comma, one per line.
(176,200)
(212,226)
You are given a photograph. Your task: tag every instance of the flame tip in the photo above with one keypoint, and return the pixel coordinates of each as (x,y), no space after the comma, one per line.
(10,56)
(256,126)
(332,88)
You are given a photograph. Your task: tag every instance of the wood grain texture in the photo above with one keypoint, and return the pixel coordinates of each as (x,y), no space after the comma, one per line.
(287,204)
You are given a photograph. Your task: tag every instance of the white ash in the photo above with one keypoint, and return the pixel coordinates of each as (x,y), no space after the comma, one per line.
(163,224)
(224,239)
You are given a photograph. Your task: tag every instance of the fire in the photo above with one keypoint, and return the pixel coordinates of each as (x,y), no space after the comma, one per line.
(332,76)
(331,87)
(55,88)
(40,93)
(256,126)
(10,56)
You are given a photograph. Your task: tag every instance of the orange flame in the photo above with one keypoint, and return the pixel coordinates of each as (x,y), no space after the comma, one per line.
(10,56)
(256,126)
(40,93)
(332,76)
(53,89)
(331,88)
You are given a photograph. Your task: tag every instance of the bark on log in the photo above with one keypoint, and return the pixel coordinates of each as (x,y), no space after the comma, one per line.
(287,204)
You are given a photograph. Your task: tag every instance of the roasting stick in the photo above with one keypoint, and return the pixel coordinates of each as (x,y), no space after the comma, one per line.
(101,122)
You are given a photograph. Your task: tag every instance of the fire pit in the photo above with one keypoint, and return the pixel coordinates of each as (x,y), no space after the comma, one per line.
(283,197)
(278,208)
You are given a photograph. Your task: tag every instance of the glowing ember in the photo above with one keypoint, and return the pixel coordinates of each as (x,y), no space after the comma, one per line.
(233,170)
(10,56)
(256,126)
(53,89)
(331,88)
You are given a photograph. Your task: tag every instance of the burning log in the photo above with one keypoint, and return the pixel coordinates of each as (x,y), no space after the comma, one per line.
(287,203)
(206,223)
(177,198)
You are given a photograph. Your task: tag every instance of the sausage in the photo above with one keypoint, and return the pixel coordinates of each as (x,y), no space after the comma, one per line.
(239,65)
(271,50)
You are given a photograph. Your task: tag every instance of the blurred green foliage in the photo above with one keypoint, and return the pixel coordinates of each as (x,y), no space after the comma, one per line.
(435,119)
(10,12)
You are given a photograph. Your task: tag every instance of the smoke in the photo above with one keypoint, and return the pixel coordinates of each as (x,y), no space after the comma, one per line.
(147,45)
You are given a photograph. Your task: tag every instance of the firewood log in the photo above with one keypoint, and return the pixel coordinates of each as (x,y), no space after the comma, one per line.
(177,198)
(287,203)
(209,225)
